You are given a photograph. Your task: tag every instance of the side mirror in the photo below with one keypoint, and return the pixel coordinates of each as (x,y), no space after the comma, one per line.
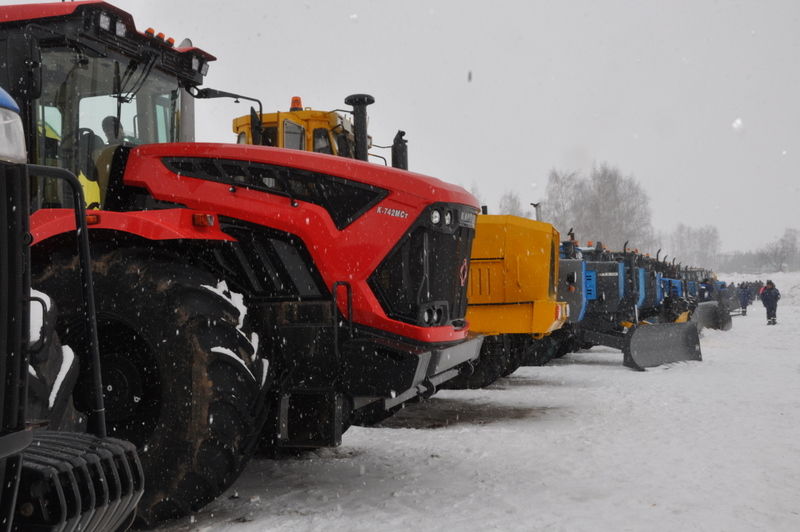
(22,76)
(400,151)
(256,129)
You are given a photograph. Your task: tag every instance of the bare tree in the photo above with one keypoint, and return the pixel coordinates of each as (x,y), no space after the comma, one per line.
(511,204)
(791,239)
(695,246)
(623,208)
(782,254)
(779,254)
(606,206)
(473,189)
(559,205)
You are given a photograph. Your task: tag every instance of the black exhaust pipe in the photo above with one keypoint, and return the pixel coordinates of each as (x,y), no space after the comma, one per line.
(359,102)
(400,151)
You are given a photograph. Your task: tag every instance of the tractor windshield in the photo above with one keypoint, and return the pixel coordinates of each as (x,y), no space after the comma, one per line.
(90,104)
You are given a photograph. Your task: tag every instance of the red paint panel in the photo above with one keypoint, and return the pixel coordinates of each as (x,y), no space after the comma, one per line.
(34,11)
(351,254)
(152,225)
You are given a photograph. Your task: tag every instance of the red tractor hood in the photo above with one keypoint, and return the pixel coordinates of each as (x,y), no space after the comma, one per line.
(424,187)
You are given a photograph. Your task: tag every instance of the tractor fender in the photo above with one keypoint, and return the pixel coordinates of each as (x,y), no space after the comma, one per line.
(166,224)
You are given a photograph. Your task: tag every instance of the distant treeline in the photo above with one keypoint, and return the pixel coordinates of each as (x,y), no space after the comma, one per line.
(609,207)
(781,255)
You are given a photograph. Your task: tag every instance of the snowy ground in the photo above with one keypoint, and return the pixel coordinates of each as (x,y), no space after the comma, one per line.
(580,444)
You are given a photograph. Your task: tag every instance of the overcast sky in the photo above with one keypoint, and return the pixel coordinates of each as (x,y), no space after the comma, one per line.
(699,100)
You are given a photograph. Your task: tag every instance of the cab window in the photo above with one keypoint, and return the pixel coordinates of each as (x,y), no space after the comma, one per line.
(294,136)
(322,143)
(90,104)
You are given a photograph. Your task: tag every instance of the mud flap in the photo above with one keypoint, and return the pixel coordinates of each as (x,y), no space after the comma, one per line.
(711,315)
(651,345)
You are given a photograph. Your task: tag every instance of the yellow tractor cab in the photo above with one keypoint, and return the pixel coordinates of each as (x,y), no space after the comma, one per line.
(307,129)
(301,128)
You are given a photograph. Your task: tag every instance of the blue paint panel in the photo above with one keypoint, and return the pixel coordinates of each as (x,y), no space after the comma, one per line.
(659,291)
(666,286)
(691,287)
(7,102)
(673,287)
(590,284)
(584,297)
(677,287)
(642,286)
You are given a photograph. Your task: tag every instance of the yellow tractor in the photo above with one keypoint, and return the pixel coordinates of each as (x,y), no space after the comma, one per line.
(331,132)
(511,295)
(300,129)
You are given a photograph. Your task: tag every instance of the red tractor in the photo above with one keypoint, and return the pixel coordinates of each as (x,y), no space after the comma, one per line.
(247,296)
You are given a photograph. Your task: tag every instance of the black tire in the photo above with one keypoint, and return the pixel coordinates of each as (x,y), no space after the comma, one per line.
(562,348)
(517,356)
(541,351)
(494,360)
(181,379)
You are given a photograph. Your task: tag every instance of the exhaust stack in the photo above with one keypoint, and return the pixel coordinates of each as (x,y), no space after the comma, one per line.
(359,102)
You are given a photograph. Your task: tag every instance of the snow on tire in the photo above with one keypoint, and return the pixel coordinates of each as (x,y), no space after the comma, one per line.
(182,380)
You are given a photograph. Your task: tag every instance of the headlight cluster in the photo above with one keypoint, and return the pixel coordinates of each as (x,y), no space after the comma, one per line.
(12,137)
(104,20)
(436,217)
(433,315)
(199,65)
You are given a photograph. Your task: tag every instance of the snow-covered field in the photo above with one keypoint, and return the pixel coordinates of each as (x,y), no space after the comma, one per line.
(580,444)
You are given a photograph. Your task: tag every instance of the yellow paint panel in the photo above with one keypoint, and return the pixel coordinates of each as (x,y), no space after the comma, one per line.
(513,272)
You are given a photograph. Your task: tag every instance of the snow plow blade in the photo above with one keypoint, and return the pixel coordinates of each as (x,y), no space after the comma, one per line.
(711,315)
(648,346)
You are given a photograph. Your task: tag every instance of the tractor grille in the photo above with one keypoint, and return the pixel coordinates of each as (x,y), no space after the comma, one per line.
(76,481)
(269,263)
(423,281)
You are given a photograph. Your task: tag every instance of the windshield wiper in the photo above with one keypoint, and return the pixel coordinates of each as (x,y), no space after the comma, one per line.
(122,92)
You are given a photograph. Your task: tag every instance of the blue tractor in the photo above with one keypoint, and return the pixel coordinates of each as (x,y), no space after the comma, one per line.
(621,300)
(56,473)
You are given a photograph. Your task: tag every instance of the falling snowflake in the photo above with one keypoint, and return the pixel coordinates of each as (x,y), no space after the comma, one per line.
(737,125)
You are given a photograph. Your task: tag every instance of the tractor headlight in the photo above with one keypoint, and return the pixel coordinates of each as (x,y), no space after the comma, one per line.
(105,22)
(436,217)
(12,137)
